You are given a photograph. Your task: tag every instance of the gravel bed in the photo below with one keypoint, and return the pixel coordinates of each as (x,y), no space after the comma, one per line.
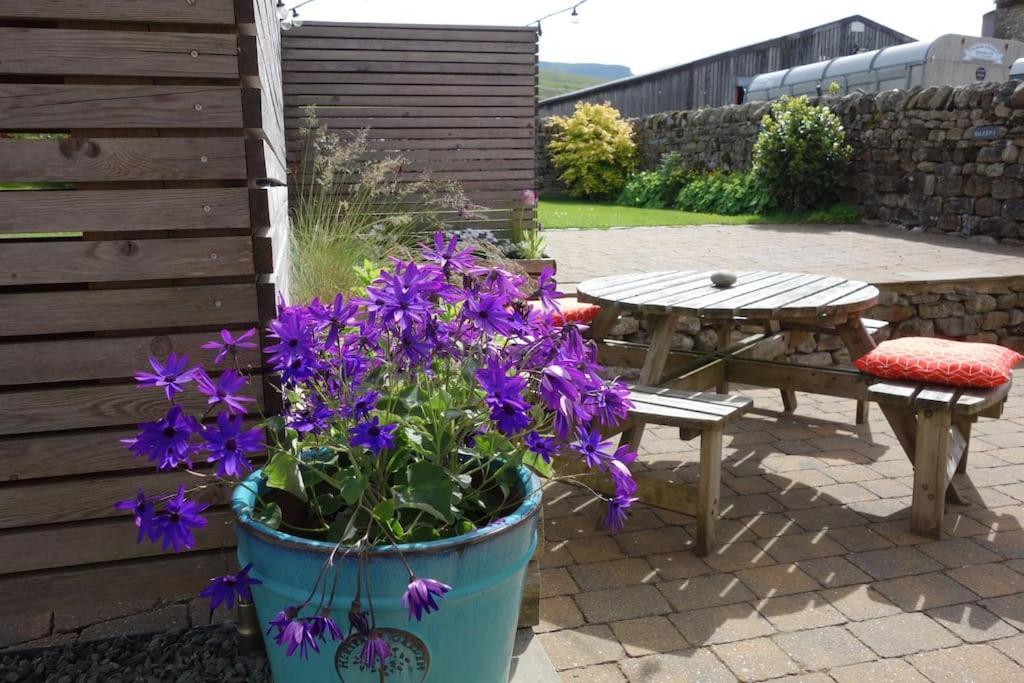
(200,654)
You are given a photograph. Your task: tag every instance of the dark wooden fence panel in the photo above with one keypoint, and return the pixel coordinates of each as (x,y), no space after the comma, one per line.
(458,102)
(142,209)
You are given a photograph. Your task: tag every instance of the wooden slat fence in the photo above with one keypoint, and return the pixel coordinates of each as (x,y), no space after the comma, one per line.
(458,102)
(142,208)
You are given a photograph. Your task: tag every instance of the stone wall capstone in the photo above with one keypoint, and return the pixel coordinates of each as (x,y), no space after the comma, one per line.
(942,159)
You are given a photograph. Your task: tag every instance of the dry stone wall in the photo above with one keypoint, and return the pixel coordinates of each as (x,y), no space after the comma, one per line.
(941,159)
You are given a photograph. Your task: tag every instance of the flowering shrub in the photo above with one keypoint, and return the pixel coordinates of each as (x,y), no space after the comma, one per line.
(593,150)
(407,413)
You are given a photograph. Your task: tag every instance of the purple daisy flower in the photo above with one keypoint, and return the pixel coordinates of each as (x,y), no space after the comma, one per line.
(542,446)
(611,404)
(488,313)
(617,513)
(419,596)
(364,403)
(227,445)
(375,651)
(166,441)
(324,627)
(595,452)
(230,345)
(224,390)
(177,520)
(621,478)
(142,510)
(510,413)
(299,635)
(372,435)
(226,589)
(547,290)
(332,319)
(448,256)
(169,375)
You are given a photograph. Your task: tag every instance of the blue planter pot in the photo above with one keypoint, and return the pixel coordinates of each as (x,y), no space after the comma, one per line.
(468,641)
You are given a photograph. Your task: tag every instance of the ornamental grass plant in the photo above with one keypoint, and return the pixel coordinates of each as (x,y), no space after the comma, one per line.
(350,208)
(408,410)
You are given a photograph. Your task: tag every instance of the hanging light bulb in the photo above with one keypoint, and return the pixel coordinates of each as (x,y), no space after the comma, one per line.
(286,24)
(282,11)
(575,16)
(296,21)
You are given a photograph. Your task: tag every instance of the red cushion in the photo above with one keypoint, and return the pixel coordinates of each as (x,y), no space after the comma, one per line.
(572,311)
(956,363)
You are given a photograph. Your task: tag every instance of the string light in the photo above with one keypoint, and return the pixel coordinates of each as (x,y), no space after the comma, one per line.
(574,17)
(289,22)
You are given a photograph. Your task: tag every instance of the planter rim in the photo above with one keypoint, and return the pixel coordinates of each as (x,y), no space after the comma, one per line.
(243,499)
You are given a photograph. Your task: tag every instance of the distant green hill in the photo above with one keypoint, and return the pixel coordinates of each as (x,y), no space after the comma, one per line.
(557,78)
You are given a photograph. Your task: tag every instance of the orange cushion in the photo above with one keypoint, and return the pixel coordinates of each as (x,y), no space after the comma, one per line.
(956,363)
(572,311)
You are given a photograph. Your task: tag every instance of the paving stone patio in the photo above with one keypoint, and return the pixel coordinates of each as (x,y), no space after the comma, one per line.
(818,577)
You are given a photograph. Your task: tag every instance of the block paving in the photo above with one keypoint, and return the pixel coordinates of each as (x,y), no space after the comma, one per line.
(817,577)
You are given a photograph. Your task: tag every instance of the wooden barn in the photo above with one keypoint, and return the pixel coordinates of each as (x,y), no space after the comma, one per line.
(717,80)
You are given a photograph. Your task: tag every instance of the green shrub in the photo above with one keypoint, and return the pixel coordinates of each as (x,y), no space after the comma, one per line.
(801,155)
(672,176)
(730,194)
(593,151)
(642,189)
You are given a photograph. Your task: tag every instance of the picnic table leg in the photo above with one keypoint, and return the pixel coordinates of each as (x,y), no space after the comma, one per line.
(788,395)
(858,341)
(709,489)
(661,330)
(603,322)
(930,479)
(724,335)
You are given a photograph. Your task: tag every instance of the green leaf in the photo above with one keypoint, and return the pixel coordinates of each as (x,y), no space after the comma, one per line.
(538,465)
(429,489)
(352,488)
(384,511)
(465,526)
(269,514)
(283,473)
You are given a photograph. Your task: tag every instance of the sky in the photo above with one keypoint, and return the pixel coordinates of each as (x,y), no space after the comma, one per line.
(646,35)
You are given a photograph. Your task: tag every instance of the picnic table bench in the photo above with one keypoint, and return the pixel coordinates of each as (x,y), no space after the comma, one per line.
(932,423)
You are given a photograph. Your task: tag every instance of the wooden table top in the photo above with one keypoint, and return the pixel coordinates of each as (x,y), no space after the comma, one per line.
(756,294)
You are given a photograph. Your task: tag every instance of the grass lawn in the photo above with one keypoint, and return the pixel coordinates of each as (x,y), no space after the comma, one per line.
(571,213)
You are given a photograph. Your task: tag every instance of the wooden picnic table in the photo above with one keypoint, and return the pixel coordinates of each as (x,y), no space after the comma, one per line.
(772,299)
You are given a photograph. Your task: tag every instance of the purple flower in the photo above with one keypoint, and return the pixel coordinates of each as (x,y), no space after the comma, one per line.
(510,413)
(226,589)
(281,621)
(177,520)
(617,513)
(170,375)
(299,635)
(595,452)
(542,446)
(495,380)
(375,651)
(230,345)
(372,435)
(622,479)
(488,313)
(402,297)
(357,619)
(142,510)
(528,198)
(324,627)
(224,390)
(332,319)
(547,290)
(227,445)
(364,403)
(558,380)
(292,355)
(447,255)
(419,596)
(313,416)
(166,441)
(611,404)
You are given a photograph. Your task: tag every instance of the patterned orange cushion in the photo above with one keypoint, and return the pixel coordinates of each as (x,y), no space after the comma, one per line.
(956,363)
(572,311)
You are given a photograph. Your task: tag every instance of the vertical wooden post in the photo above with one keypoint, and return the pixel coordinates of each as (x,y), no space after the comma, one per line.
(709,489)
(724,335)
(654,366)
(930,479)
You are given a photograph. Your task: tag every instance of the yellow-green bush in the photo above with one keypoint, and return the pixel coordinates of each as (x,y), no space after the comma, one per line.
(593,150)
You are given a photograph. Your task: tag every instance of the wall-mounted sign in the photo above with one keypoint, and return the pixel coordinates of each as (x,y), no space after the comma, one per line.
(983,52)
(988,132)
(980,73)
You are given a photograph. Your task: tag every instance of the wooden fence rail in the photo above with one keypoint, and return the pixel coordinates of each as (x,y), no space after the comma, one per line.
(458,102)
(142,209)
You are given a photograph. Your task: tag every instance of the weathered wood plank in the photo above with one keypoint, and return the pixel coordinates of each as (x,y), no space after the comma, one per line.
(72,500)
(98,541)
(407,67)
(206,12)
(81,596)
(300,43)
(75,52)
(339,108)
(296,56)
(41,107)
(932,447)
(128,309)
(390,80)
(975,401)
(413,32)
(433,135)
(336,119)
(121,159)
(123,210)
(27,411)
(41,263)
(371,93)
(75,360)
(697,401)
(709,489)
